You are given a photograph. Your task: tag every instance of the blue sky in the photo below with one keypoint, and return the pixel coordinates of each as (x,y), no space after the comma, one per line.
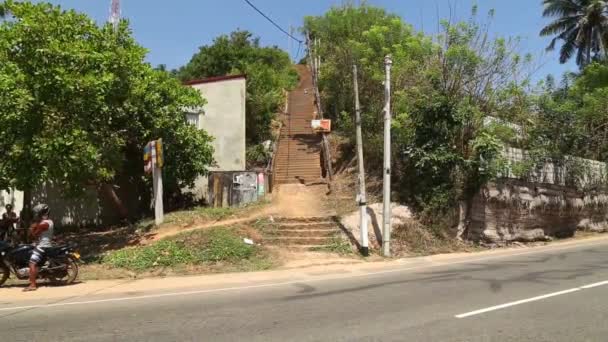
(173,30)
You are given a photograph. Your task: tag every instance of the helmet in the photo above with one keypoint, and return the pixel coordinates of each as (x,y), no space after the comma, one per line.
(41,210)
(8,207)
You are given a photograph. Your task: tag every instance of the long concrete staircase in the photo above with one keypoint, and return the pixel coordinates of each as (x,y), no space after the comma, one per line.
(301,222)
(298,158)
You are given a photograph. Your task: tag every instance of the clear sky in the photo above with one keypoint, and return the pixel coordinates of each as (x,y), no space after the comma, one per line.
(173,30)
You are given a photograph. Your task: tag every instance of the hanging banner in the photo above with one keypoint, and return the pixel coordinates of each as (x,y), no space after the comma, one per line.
(153,155)
(148,158)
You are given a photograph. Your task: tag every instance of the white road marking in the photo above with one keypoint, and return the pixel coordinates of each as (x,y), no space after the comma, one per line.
(533,299)
(590,286)
(523,301)
(339,277)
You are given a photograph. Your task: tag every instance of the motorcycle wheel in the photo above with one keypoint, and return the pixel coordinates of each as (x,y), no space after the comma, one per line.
(70,275)
(4,273)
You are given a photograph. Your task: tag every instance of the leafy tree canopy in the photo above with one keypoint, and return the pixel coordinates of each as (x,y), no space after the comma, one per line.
(269,73)
(78,103)
(580,25)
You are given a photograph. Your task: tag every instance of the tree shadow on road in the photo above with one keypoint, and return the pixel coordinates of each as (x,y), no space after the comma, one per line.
(497,280)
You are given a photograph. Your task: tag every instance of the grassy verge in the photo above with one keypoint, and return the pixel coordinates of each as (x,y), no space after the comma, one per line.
(203,250)
(201,215)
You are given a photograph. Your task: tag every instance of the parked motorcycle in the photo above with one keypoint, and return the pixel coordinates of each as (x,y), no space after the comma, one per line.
(60,265)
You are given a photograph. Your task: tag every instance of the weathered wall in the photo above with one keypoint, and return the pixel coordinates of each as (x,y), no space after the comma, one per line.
(552,202)
(513,210)
(223,118)
(89,209)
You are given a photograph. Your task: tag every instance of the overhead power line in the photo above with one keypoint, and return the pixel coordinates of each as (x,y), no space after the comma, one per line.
(273,22)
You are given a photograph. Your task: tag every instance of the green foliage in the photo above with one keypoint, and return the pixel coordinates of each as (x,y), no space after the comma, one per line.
(580,26)
(79,102)
(452,126)
(574,118)
(445,89)
(336,245)
(164,253)
(364,35)
(224,245)
(202,247)
(522,169)
(257,155)
(269,73)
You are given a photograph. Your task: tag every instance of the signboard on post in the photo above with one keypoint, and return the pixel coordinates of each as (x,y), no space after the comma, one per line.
(321,126)
(153,163)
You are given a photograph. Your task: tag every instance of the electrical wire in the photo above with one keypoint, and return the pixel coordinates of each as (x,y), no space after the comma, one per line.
(273,22)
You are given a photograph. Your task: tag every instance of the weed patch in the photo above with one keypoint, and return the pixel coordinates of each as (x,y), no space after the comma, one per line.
(204,247)
(337,245)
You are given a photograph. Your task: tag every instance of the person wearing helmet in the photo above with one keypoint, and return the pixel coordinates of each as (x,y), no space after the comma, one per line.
(9,219)
(42,231)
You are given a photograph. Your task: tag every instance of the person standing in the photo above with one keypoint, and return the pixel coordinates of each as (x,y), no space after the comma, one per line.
(42,231)
(8,222)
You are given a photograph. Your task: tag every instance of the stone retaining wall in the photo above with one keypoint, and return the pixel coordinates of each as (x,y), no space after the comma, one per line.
(513,210)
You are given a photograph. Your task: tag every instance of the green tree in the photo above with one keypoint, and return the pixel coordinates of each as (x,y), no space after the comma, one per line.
(269,73)
(364,35)
(581,25)
(454,123)
(78,103)
(578,115)
(453,94)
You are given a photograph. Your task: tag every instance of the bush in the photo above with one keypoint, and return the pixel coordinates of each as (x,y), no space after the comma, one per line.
(257,155)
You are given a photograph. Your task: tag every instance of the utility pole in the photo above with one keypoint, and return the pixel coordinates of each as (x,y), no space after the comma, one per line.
(386,208)
(362,199)
(114,13)
(289,40)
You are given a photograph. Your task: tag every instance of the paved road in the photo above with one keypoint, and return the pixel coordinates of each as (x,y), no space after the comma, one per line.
(550,295)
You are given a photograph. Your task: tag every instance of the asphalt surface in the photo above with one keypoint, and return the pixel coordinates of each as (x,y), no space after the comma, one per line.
(398,304)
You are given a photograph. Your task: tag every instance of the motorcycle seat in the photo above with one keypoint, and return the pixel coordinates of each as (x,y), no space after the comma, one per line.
(53,251)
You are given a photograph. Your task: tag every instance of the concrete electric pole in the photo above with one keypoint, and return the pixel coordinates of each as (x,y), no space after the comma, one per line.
(386,208)
(115,13)
(362,199)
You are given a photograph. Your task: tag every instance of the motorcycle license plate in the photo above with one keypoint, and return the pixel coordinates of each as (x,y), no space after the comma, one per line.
(76,255)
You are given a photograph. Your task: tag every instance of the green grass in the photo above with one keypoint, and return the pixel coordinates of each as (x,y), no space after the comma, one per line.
(204,247)
(206,214)
(337,245)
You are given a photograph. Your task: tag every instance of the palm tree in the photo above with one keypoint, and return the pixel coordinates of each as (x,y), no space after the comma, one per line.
(582,25)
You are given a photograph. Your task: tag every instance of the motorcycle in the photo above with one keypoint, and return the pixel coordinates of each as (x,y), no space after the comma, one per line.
(60,266)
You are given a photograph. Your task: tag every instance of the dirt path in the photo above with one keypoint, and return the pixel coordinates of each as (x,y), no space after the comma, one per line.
(289,200)
(298,200)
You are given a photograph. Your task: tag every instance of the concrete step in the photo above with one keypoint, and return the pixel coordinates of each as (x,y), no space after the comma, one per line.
(297,167)
(297,180)
(303,219)
(311,233)
(298,162)
(299,248)
(308,241)
(321,225)
(298,177)
(309,177)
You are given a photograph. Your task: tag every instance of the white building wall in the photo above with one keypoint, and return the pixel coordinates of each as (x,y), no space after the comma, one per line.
(224,119)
